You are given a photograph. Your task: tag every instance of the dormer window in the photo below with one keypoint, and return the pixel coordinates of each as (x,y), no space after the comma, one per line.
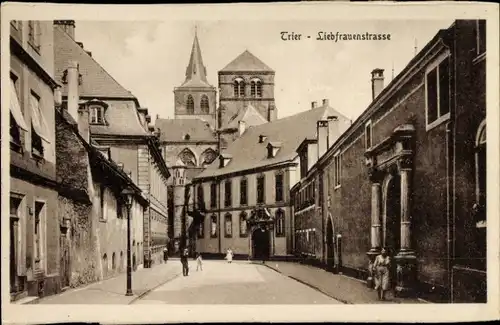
(97,113)
(272,149)
(225,159)
(262,138)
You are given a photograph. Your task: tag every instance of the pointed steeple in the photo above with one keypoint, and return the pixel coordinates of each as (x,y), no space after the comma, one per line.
(196,73)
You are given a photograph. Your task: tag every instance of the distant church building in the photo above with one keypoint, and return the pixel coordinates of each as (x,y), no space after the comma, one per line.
(193,139)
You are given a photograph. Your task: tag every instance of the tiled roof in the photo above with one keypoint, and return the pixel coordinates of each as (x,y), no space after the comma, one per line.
(248,153)
(121,115)
(122,119)
(177,129)
(97,82)
(250,115)
(246,61)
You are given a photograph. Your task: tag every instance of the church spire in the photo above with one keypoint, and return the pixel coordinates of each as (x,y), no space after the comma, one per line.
(195,70)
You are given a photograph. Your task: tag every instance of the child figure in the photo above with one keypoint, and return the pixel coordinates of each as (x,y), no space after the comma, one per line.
(199,262)
(229,255)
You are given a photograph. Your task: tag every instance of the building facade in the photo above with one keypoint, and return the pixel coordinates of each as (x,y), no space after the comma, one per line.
(119,124)
(33,222)
(244,197)
(409,175)
(92,208)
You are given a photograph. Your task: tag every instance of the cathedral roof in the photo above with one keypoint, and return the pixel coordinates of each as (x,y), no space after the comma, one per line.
(246,61)
(249,115)
(290,131)
(196,72)
(174,130)
(121,115)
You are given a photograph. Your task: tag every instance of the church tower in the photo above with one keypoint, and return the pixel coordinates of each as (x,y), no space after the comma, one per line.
(196,98)
(246,81)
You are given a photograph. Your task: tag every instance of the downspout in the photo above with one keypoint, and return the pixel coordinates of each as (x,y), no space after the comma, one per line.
(450,180)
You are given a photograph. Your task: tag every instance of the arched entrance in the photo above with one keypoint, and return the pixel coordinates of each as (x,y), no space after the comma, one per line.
(330,247)
(391,239)
(261,244)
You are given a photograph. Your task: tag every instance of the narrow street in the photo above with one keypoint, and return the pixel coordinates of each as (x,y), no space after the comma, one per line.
(236,283)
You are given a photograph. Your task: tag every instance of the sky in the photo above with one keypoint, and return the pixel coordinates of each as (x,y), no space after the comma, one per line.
(150,58)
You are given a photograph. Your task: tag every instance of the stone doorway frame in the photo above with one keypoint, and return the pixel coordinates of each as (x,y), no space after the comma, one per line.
(393,155)
(260,218)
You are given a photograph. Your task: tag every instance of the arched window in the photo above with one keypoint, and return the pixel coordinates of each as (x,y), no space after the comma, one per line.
(207,157)
(205,108)
(213,226)
(228,225)
(243,224)
(190,105)
(239,87)
(188,158)
(256,88)
(280,223)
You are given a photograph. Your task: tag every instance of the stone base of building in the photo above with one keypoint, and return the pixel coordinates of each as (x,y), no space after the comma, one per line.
(43,287)
(469,285)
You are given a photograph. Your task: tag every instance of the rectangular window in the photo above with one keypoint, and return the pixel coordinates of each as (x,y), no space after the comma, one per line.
(227,194)
(213,195)
(38,233)
(228,225)
(243,192)
(201,230)
(280,223)
(481,36)
(243,224)
(438,91)
(213,226)
(337,170)
(96,115)
(260,189)
(279,188)
(200,198)
(368,135)
(102,201)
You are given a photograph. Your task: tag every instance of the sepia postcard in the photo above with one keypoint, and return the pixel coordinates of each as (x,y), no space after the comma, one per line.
(258,162)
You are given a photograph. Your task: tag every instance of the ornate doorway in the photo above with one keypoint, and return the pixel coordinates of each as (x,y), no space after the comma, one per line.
(330,245)
(261,244)
(392,219)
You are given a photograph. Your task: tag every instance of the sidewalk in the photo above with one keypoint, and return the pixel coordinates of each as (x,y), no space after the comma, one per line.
(340,287)
(112,291)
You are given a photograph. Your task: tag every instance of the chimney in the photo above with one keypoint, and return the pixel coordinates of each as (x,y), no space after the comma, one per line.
(241,127)
(322,135)
(314,105)
(67,25)
(332,130)
(326,102)
(73,96)
(120,166)
(377,82)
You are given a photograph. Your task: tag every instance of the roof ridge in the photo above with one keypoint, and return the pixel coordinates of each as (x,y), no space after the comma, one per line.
(95,61)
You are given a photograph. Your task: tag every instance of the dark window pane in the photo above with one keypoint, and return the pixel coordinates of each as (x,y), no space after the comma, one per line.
(481,36)
(432,96)
(444,87)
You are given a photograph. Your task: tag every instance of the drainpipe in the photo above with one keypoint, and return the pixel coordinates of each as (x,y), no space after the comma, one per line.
(450,180)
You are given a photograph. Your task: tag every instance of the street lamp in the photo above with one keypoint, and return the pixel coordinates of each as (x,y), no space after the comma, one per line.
(127,194)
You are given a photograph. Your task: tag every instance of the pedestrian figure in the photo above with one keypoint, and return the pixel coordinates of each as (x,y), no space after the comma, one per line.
(184,261)
(382,266)
(199,262)
(229,255)
(165,255)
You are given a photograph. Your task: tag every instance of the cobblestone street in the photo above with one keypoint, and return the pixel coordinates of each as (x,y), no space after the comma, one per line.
(235,283)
